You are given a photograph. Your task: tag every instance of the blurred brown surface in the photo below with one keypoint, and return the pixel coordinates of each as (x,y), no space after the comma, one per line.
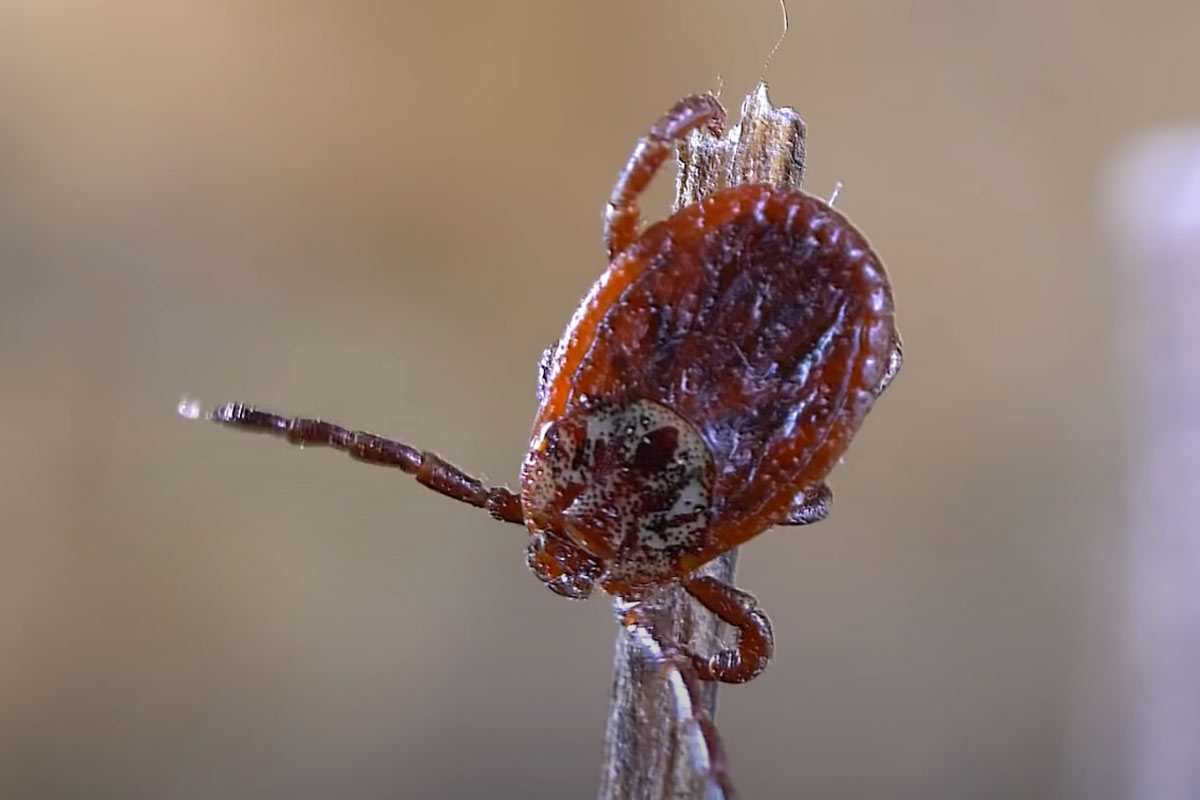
(381,213)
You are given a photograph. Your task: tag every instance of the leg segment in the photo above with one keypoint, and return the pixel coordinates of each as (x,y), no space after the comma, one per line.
(678,669)
(621,214)
(427,468)
(564,568)
(755,641)
(810,506)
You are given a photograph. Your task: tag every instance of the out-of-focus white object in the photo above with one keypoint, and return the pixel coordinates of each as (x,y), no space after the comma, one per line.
(1152,209)
(188,408)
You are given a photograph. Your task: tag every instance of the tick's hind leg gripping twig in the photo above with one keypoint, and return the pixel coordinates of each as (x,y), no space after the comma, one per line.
(755,644)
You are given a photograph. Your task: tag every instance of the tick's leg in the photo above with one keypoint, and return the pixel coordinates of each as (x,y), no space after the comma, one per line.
(621,214)
(895,361)
(755,641)
(689,706)
(564,568)
(810,506)
(427,468)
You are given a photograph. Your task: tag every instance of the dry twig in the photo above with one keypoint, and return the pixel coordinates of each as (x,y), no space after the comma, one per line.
(652,747)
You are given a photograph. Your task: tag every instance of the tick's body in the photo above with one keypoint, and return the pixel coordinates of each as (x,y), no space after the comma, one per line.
(703,390)
(756,328)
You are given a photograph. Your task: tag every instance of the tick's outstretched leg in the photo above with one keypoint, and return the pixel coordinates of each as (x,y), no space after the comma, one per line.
(621,214)
(427,468)
(680,672)
(755,641)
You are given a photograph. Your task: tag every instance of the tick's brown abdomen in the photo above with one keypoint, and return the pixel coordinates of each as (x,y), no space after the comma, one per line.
(763,318)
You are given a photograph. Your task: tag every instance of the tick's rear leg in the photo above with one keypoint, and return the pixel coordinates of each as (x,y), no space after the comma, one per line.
(426,467)
(755,641)
(621,214)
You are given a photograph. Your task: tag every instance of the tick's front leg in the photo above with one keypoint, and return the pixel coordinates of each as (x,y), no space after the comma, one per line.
(429,469)
(755,643)
(621,214)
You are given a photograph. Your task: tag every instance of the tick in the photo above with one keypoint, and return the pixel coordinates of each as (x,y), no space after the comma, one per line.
(701,393)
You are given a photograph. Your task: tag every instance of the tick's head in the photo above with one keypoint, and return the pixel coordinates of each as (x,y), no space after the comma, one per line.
(619,481)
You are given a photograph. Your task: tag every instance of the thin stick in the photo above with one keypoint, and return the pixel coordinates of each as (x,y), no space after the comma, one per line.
(652,748)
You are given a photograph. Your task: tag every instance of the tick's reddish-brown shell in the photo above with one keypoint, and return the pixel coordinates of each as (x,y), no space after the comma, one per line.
(760,316)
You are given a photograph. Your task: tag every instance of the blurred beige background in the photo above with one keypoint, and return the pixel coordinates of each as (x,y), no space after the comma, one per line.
(381,213)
